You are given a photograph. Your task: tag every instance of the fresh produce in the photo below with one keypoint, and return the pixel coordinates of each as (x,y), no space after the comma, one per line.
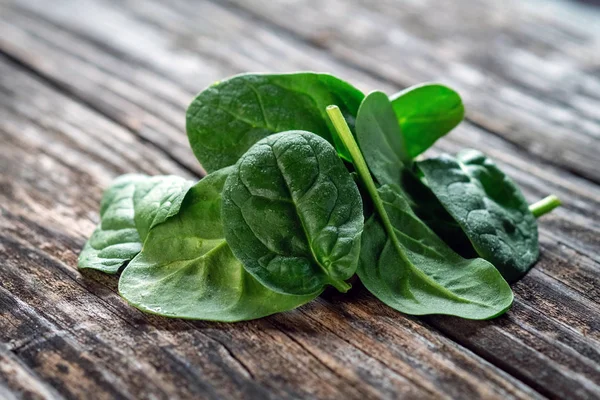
(311,182)
(408,267)
(186,268)
(130,207)
(293,214)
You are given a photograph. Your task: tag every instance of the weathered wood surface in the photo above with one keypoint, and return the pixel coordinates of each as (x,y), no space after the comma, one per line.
(93,89)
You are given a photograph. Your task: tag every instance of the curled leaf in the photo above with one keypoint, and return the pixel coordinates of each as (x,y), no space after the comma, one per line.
(293,214)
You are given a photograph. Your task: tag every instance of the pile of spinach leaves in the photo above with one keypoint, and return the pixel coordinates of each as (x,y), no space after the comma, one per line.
(309,183)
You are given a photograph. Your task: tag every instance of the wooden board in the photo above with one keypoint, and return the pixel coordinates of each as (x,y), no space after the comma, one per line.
(91,89)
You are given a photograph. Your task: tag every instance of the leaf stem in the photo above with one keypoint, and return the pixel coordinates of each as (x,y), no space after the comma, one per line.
(360,164)
(341,286)
(544,206)
(363,171)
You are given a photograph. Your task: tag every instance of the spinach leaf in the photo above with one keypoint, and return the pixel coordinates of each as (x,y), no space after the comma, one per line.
(488,206)
(293,214)
(381,139)
(405,265)
(156,199)
(425,113)
(408,267)
(382,143)
(115,240)
(129,208)
(429,209)
(187,270)
(227,118)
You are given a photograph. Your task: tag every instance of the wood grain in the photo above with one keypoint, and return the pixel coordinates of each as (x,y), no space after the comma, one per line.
(93,89)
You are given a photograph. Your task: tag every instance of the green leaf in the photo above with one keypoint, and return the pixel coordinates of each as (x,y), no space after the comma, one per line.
(293,214)
(156,199)
(488,206)
(429,209)
(381,139)
(426,113)
(187,270)
(382,144)
(405,265)
(227,118)
(129,208)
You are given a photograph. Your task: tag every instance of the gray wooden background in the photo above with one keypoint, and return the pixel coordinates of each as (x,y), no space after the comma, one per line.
(90,89)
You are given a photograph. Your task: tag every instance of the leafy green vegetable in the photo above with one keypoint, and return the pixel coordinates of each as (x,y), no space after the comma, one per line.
(425,113)
(129,208)
(392,132)
(488,206)
(280,217)
(381,139)
(293,214)
(408,267)
(187,270)
(227,118)
(405,265)
(429,209)
(115,240)
(500,228)
(156,199)
(383,145)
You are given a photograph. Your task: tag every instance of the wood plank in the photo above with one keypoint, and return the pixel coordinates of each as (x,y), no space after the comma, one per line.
(569,233)
(528,71)
(62,320)
(18,381)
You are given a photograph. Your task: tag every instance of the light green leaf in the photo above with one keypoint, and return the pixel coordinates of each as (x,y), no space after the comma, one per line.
(405,265)
(380,138)
(187,270)
(425,113)
(130,206)
(156,199)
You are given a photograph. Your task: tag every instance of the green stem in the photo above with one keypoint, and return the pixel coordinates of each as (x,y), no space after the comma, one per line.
(360,164)
(341,286)
(544,206)
(363,171)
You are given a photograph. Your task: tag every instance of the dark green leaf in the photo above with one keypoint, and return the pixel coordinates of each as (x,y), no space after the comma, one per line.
(429,209)
(488,206)
(426,113)
(187,270)
(227,118)
(293,214)
(129,208)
